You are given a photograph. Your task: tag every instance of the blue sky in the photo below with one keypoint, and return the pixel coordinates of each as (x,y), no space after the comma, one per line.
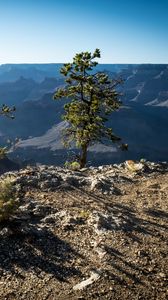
(48,31)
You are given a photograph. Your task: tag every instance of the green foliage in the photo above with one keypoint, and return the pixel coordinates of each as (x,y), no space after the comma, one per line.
(93,98)
(9,201)
(7,111)
(84,214)
(3,152)
(74,165)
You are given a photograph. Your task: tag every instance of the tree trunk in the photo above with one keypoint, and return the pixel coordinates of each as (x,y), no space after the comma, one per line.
(83,157)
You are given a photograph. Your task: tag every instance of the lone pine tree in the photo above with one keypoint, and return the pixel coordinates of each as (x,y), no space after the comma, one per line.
(93,97)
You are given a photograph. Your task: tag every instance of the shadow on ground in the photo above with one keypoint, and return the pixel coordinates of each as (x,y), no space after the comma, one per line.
(140,232)
(32,248)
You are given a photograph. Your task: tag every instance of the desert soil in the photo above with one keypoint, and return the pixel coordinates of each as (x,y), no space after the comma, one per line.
(74,233)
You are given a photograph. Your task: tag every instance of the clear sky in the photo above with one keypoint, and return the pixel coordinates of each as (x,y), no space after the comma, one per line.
(50,31)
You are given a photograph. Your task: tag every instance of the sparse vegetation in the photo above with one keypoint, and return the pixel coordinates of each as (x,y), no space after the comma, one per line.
(65,229)
(74,165)
(93,98)
(9,201)
(7,111)
(3,152)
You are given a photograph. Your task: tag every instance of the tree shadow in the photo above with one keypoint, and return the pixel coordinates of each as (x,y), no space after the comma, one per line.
(30,247)
(135,227)
(132,223)
(157,213)
(130,270)
(125,269)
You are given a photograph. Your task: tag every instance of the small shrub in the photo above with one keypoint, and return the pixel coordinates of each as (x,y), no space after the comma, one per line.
(134,166)
(84,214)
(3,152)
(9,201)
(74,165)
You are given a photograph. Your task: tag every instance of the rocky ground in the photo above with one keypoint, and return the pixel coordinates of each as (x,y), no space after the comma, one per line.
(98,233)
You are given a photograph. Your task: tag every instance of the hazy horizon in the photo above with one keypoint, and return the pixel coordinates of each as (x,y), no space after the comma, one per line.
(60,63)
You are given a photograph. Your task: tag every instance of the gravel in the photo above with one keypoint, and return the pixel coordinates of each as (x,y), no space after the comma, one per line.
(98,233)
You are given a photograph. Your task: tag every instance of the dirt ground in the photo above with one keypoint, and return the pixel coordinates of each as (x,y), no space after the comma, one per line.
(120,238)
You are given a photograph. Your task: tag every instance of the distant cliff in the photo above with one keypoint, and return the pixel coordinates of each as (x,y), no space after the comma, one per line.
(142,122)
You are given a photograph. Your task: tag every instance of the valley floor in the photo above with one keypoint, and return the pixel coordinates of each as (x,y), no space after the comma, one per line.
(67,235)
